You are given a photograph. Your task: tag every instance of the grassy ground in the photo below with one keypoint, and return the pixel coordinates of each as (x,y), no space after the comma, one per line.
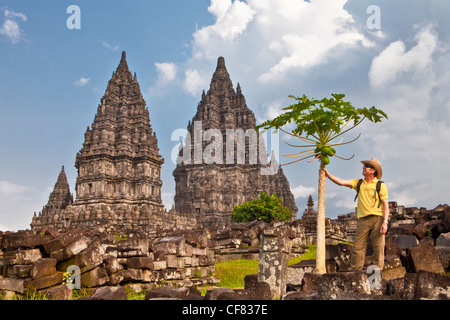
(231,273)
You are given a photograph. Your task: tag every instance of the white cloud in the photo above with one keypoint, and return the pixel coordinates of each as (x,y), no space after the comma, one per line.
(193,81)
(12,14)
(9,190)
(109,46)
(167,72)
(302,192)
(81,82)
(395,60)
(11,28)
(232,19)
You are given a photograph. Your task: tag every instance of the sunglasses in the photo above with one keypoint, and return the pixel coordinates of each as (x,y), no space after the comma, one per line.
(368,166)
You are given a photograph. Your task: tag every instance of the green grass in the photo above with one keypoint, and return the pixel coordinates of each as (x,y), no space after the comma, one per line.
(310,254)
(231,273)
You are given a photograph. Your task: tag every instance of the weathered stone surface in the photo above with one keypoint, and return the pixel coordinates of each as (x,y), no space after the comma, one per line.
(24,239)
(433,286)
(296,272)
(21,271)
(71,250)
(11,284)
(61,292)
(45,282)
(86,260)
(43,268)
(140,263)
(340,253)
(110,293)
(300,295)
(28,256)
(112,265)
(167,292)
(443,240)
(406,241)
(213,294)
(425,258)
(310,281)
(94,278)
(332,285)
(64,240)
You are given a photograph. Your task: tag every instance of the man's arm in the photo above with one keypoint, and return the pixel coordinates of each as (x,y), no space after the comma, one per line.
(384,226)
(338,181)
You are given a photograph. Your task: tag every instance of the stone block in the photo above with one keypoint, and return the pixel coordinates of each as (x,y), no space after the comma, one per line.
(137,275)
(420,230)
(443,240)
(296,272)
(112,265)
(86,260)
(45,282)
(64,240)
(10,284)
(71,250)
(24,239)
(332,285)
(311,281)
(94,278)
(136,246)
(213,294)
(406,241)
(61,292)
(21,271)
(432,286)
(115,279)
(159,265)
(172,261)
(28,256)
(43,268)
(273,270)
(444,256)
(425,258)
(167,292)
(140,263)
(110,293)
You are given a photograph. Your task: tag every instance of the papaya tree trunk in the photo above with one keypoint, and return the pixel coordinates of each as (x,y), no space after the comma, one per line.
(320,259)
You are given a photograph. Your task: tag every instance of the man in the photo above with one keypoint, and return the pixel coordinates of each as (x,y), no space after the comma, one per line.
(372,217)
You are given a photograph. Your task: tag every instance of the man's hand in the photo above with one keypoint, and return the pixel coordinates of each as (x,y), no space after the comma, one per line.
(384,228)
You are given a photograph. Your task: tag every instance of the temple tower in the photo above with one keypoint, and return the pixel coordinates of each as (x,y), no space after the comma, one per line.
(120,160)
(219,165)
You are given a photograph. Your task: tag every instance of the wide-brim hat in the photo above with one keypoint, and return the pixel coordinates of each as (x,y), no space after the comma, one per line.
(376,164)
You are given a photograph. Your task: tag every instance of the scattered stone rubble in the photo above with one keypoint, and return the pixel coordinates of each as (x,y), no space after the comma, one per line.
(170,264)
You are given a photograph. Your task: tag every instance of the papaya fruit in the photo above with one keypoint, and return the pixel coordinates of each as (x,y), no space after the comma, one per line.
(325,159)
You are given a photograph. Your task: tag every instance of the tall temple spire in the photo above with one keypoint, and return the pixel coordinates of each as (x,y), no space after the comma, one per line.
(123,144)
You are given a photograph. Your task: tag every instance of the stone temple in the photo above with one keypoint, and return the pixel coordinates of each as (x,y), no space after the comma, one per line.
(212,177)
(118,186)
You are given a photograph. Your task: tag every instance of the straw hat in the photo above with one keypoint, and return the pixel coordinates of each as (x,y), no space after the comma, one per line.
(376,164)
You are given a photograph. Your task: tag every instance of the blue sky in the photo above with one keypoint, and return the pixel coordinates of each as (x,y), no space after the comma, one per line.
(396,58)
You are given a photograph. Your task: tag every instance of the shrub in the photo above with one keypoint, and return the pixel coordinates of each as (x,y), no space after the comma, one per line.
(265,208)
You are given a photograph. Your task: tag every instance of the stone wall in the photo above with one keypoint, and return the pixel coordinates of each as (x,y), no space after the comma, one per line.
(38,261)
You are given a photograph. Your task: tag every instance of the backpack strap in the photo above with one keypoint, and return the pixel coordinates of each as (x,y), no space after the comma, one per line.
(378,191)
(358,186)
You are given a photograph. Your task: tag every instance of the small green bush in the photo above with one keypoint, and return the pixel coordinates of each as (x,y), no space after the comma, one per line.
(265,208)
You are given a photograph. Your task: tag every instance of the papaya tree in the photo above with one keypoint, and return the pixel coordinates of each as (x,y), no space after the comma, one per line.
(319,126)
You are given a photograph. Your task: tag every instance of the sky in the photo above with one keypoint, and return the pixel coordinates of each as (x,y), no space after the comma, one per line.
(56,58)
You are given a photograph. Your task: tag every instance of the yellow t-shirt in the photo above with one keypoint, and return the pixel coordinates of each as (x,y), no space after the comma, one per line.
(368,198)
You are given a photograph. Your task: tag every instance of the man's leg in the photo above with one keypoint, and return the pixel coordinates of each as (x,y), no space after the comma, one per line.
(360,244)
(378,242)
